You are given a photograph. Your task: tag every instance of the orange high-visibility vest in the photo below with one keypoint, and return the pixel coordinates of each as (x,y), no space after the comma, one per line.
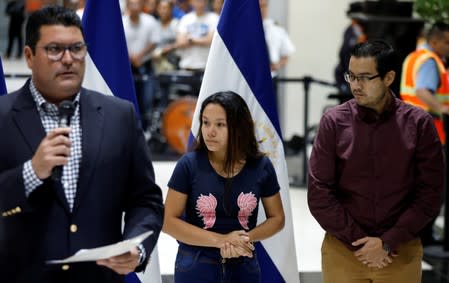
(408,84)
(33,5)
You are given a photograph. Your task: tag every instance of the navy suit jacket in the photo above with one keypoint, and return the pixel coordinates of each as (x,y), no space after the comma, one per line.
(116,176)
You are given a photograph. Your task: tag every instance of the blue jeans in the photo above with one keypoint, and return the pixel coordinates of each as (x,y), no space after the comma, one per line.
(145,84)
(206,265)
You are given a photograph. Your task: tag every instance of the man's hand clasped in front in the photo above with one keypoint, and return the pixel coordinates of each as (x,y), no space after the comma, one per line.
(372,253)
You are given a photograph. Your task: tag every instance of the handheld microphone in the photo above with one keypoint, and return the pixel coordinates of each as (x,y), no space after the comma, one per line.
(66,109)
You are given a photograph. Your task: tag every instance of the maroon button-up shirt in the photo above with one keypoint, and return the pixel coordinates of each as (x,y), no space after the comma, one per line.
(375,175)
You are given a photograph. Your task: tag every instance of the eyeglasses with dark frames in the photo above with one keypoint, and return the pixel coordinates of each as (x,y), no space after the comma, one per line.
(350,78)
(55,52)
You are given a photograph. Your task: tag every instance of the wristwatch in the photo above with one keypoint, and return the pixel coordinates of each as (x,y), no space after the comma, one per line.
(142,253)
(386,248)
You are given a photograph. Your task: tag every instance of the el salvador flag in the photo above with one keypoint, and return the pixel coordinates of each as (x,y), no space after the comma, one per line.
(238,61)
(108,71)
(2,80)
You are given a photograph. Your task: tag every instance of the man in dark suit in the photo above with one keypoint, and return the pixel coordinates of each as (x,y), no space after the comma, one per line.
(107,169)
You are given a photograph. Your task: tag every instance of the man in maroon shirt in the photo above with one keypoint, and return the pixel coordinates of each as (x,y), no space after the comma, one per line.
(375,176)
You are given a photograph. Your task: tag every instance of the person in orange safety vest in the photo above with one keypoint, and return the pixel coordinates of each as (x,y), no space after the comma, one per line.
(425,80)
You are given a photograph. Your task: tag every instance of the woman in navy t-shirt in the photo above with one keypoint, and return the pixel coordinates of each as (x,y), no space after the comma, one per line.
(213,198)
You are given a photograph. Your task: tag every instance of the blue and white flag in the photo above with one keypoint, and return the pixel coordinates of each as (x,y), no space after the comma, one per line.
(2,80)
(108,71)
(238,61)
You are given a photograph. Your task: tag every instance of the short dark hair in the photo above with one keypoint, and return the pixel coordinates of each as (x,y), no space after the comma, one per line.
(384,55)
(437,30)
(49,15)
(242,142)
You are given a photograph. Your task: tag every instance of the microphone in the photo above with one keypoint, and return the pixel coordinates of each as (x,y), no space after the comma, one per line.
(66,109)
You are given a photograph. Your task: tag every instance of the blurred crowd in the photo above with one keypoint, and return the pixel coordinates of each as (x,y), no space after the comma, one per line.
(165,38)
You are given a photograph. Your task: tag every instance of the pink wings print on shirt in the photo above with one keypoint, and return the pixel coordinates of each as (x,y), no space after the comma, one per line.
(247,203)
(206,205)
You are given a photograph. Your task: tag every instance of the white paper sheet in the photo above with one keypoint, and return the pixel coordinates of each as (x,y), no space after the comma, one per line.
(105,251)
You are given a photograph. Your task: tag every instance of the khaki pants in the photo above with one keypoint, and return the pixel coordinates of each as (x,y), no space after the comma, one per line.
(341,266)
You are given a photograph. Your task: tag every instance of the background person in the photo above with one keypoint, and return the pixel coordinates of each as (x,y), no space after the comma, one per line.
(164,56)
(106,172)
(425,83)
(15,9)
(195,32)
(80,8)
(352,36)
(425,80)
(280,47)
(217,6)
(142,35)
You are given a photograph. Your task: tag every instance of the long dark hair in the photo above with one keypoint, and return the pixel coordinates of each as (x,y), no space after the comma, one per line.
(242,142)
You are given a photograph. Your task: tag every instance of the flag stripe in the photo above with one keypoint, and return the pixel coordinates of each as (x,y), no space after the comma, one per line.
(108,71)
(249,56)
(93,79)
(270,273)
(105,38)
(2,80)
(238,61)
(281,246)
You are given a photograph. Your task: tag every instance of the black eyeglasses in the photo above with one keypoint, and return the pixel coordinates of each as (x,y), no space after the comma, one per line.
(350,77)
(55,52)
